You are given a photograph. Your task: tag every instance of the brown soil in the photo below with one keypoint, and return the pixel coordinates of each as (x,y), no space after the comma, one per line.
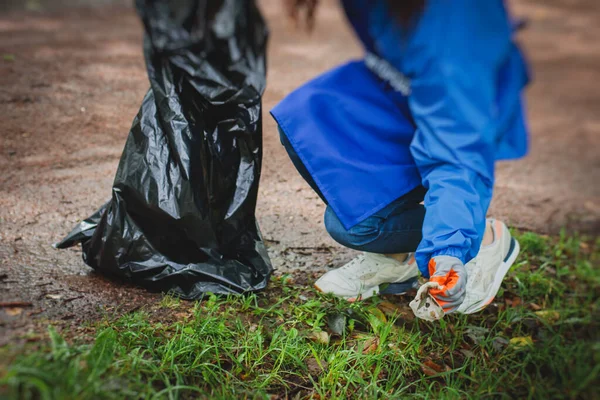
(76,81)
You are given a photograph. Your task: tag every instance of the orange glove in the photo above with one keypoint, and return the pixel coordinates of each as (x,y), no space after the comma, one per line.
(451,274)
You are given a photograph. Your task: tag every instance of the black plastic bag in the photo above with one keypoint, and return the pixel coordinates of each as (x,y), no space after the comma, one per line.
(182,214)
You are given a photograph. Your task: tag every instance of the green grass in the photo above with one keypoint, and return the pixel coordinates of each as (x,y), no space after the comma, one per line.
(538,340)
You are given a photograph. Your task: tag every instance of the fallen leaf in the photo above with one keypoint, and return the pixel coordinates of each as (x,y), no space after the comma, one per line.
(428,371)
(467,353)
(480,330)
(377,313)
(376,318)
(13,311)
(315,367)
(320,337)
(535,307)
(434,366)
(388,308)
(548,316)
(521,342)
(476,333)
(430,368)
(183,315)
(499,343)
(371,345)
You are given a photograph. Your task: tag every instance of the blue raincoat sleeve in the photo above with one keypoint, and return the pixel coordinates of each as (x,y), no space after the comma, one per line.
(453,102)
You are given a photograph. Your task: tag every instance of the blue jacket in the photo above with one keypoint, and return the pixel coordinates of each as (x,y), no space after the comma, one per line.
(461,111)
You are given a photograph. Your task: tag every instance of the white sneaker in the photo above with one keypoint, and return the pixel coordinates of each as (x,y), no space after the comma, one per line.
(361,277)
(487,270)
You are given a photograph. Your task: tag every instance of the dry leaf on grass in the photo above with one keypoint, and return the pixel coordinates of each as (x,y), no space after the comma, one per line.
(376,318)
(535,307)
(371,345)
(13,311)
(183,315)
(513,302)
(390,309)
(315,367)
(467,353)
(499,343)
(521,342)
(549,316)
(320,337)
(430,368)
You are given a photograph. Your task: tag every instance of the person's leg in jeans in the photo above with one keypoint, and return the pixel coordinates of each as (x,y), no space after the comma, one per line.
(395,229)
(387,238)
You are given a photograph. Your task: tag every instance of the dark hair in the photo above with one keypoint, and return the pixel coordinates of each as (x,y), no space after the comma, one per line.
(406,11)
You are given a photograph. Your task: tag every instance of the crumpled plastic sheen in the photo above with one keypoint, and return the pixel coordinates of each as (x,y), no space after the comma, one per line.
(424,305)
(181,218)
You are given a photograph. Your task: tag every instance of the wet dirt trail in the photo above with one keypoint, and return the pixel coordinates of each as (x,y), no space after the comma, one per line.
(72,81)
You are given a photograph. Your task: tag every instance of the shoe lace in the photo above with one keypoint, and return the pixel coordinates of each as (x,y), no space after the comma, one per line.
(352,263)
(360,261)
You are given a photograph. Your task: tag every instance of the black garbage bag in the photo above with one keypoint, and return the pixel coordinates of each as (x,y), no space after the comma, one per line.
(182,214)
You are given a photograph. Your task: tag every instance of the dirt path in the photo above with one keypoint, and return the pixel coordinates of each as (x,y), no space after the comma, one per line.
(76,81)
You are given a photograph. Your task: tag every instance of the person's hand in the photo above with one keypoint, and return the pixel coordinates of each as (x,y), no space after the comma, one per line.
(451,274)
(294,7)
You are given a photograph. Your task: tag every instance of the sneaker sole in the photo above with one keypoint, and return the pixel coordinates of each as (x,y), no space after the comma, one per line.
(400,287)
(385,288)
(365,294)
(509,260)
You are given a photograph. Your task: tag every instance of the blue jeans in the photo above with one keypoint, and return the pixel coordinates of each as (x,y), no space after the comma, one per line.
(395,229)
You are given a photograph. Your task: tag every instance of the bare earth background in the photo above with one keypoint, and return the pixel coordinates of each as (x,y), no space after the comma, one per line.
(72,79)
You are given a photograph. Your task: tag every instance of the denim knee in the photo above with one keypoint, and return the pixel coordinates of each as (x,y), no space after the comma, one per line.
(356,237)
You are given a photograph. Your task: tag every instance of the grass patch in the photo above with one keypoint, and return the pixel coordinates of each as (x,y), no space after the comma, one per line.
(537,340)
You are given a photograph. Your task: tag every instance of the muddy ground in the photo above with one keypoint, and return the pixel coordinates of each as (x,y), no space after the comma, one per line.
(72,80)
